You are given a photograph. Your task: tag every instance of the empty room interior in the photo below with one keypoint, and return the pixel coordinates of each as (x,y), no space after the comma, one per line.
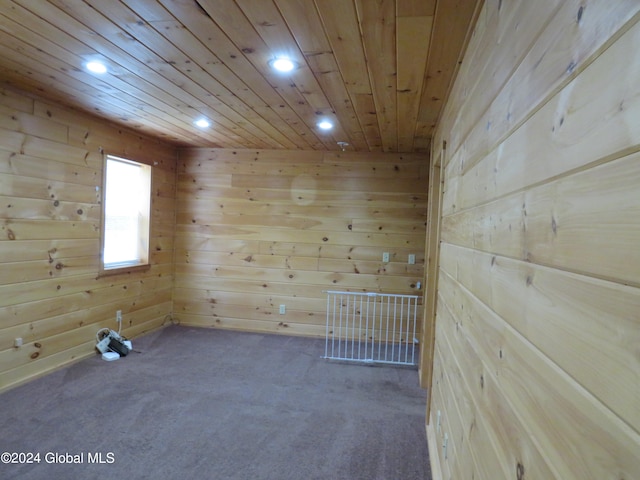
(343,239)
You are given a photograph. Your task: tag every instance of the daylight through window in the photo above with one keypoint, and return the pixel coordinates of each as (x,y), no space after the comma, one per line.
(126,212)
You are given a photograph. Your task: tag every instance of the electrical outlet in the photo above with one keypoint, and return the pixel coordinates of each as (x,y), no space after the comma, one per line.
(118,316)
(385,257)
(17,342)
(412,259)
(283,309)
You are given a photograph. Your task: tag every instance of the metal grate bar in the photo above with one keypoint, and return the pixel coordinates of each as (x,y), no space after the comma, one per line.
(371,327)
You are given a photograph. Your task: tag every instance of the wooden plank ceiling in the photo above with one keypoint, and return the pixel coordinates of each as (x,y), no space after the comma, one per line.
(378,69)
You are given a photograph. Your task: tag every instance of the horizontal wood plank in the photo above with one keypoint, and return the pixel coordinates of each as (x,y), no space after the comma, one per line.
(564,315)
(51,296)
(564,223)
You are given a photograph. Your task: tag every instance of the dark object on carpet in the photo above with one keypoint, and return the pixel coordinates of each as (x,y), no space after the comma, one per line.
(191,403)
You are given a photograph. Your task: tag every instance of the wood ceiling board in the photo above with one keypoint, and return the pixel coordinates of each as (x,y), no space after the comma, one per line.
(48,77)
(272,27)
(415,8)
(377,23)
(16,77)
(203,27)
(21,47)
(366,108)
(340,22)
(343,31)
(200,57)
(306,26)
(192,80)
(414,35)
(173,60)
(123,51)
(234,23)
(450,34)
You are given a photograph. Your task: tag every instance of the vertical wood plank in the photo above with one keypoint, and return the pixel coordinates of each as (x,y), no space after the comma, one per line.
(379,36)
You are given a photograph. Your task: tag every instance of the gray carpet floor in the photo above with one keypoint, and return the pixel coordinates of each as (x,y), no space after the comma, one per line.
(193,403)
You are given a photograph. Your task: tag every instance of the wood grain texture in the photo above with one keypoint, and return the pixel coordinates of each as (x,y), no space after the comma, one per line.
(50,295)
(432,259)
(451,32)
(282,227)
(573,37)
(536,367)
(551,308)
(378,31)
(366,65)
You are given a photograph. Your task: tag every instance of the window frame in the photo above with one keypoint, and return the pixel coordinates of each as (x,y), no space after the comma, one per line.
(144,248)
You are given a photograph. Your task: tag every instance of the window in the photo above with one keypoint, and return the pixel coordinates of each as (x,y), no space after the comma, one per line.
(126,208)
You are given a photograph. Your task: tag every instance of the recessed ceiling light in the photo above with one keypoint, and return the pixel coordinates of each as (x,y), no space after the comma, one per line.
(96,67)
(283,64)
(325,125)
(202,123)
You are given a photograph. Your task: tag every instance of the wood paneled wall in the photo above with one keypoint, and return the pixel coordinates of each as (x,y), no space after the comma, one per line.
(259,229)
(50,296)
(537,364)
